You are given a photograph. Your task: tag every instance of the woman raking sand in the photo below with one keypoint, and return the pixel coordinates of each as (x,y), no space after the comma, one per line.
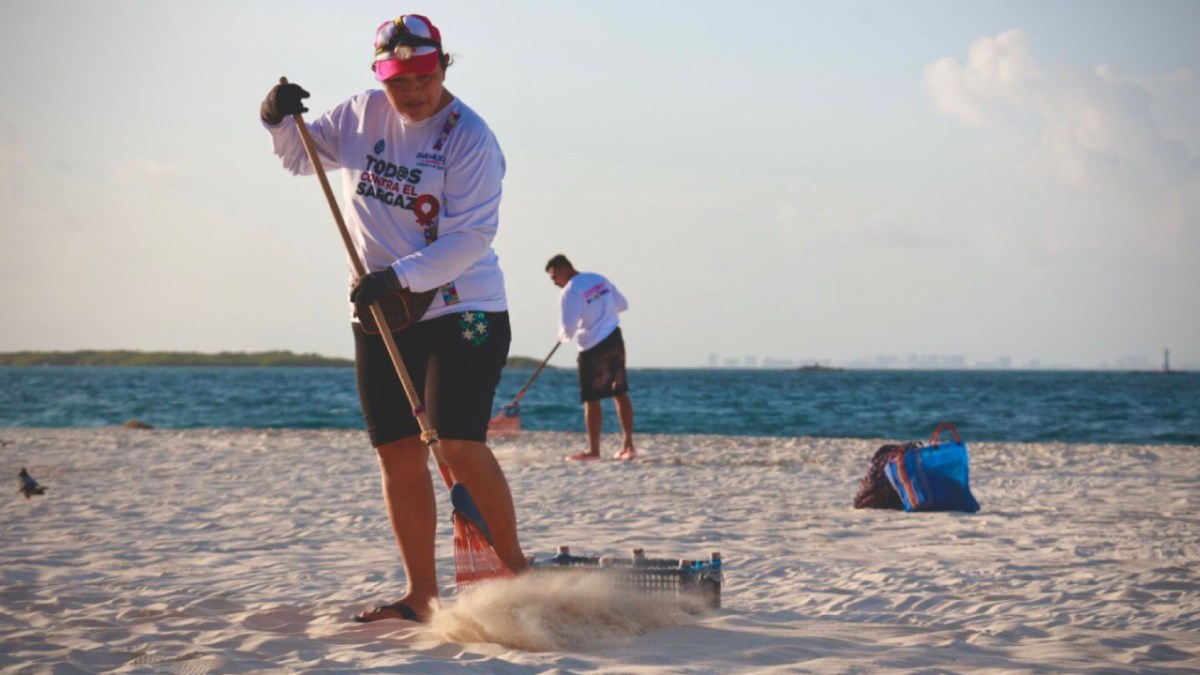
(421,186)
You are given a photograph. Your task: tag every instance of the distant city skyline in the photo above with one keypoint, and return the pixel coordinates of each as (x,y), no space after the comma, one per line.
(950,362)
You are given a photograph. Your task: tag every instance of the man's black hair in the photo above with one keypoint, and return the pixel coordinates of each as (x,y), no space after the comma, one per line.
(559,262)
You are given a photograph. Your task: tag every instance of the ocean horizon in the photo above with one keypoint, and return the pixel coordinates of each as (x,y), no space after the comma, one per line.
(1078,406)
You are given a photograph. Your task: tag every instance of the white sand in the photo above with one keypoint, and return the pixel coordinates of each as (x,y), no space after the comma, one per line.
(247,551)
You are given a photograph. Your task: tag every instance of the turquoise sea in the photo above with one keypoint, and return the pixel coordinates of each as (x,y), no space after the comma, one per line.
(1020,406)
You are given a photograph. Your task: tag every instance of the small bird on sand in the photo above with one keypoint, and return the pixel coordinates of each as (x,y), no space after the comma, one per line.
(29,486)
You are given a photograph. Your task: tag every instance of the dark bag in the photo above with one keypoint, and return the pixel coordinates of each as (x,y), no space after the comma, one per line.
(875,491)
(934,477)
(401,309)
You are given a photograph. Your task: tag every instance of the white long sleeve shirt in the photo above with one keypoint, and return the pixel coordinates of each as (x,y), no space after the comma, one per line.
(589,305)
(422,197)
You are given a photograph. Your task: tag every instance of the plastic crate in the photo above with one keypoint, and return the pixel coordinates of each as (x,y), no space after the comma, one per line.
(695,578)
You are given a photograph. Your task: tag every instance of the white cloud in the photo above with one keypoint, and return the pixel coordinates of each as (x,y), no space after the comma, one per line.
(1087,140)
(999,78)
(14,158)
(147,171)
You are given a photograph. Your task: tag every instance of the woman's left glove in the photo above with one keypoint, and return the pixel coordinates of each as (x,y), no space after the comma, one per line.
(375,286)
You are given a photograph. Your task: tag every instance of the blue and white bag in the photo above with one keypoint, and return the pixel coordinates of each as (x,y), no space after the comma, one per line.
(933,477)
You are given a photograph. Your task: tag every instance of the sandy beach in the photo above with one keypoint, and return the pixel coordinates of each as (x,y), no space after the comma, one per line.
(227,551)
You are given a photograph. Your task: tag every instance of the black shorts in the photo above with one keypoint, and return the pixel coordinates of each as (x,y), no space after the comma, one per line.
(602,369)
(454,362)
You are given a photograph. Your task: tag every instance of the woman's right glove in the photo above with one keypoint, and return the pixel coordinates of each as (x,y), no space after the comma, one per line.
(401,308)
(375,286)
(283,100)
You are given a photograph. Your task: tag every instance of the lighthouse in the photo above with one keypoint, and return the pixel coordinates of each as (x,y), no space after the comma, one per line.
(1166,364)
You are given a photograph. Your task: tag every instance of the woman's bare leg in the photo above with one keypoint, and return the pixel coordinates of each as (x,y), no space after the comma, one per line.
(474,465)
(409,499)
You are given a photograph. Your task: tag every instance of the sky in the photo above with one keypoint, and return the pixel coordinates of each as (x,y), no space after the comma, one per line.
(775,179)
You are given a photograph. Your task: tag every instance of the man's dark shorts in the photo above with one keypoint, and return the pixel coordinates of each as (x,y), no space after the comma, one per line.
(602,369)
(454,362)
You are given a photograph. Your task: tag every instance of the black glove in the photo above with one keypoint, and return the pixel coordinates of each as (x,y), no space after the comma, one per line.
(374,287)
(283,100)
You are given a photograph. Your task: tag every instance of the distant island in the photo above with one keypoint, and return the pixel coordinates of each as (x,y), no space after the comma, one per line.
(129,358)
(817,366)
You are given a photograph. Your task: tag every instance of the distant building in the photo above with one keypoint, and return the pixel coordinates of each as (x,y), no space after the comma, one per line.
(936,361)
(1133,363)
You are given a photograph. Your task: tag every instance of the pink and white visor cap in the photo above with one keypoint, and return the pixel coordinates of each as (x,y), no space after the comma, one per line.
(407,45)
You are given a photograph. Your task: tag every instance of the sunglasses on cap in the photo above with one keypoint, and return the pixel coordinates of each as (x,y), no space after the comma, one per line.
(394,40)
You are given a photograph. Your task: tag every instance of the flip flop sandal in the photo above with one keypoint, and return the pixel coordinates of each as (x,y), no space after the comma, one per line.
(406,613)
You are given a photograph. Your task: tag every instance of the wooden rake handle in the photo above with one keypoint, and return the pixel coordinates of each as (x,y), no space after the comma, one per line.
(428,433)
(536,372)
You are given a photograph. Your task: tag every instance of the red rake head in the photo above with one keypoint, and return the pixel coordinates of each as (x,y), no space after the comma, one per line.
(504,430)
(475,558)
(506,423)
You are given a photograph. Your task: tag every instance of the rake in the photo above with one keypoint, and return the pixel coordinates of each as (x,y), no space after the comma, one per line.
(507,422)
(475,557)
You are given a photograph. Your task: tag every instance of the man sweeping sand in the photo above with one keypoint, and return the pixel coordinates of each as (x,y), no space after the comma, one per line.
(589,306)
